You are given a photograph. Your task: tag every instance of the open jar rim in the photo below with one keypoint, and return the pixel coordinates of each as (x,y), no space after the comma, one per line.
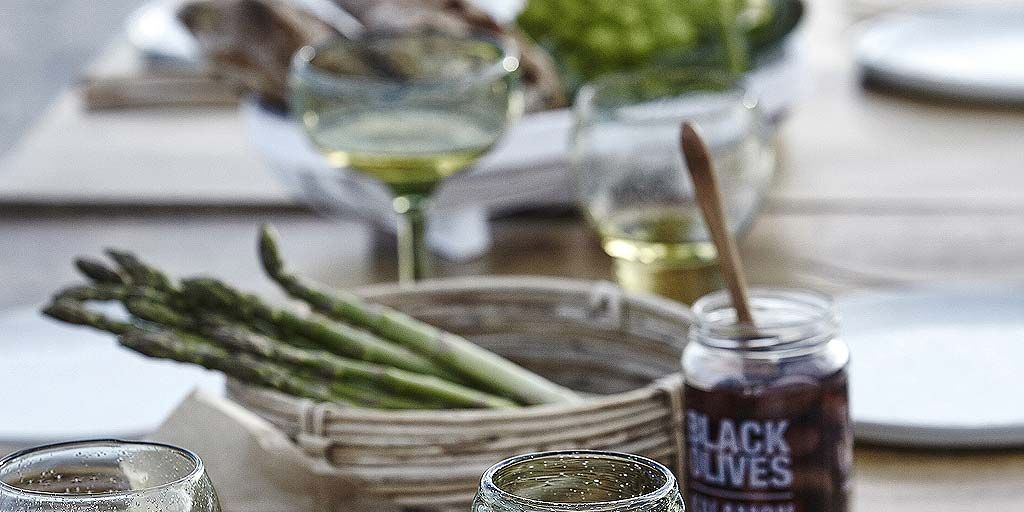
(10,463)
(662,94)
(784,320)
(490,490)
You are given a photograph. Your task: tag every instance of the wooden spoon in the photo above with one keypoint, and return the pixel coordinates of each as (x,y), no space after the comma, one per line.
(710,200)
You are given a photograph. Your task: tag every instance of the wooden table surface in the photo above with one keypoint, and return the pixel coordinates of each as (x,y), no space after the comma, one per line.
(875,190)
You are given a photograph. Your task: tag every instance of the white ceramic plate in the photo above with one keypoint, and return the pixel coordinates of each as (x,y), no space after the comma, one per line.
(962,54)
(937,367)
(61,382)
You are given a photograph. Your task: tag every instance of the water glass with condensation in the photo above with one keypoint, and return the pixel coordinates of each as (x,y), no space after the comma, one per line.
(578,481)
(105,476)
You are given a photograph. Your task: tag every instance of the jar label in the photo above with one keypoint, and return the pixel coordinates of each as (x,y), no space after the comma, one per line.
(750,454)
(785,449)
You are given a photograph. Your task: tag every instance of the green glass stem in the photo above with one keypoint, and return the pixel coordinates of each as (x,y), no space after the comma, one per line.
(413,254)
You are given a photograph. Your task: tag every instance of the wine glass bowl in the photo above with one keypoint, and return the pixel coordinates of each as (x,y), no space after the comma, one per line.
(407,109)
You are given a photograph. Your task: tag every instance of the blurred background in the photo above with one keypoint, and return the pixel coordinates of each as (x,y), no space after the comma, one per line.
(45,46)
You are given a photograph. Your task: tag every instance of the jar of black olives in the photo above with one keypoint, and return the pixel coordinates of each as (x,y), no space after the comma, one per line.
(767,423)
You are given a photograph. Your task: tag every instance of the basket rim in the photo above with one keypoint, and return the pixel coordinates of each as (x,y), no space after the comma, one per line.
(587,405)
(530,283)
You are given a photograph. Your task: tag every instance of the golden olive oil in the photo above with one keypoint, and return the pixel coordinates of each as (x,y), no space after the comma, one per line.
(661,251)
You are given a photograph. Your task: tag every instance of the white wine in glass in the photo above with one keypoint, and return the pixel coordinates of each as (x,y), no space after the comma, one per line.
(409,110)
(633,182)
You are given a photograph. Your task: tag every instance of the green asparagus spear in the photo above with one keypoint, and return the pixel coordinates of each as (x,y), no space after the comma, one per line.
(253,369)
(447,350)
(73,312)
(140,273)
(327,364)
(212,295)
(149,281)
(169,346)
(166,344)
(368,396)
(99,292)
(384,377)
(245,367)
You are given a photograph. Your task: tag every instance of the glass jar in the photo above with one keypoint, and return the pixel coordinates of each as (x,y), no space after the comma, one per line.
(578,480)
(767,413)
(105,476)
(633,183)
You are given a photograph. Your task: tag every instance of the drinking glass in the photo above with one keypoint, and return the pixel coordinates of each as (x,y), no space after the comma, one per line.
(633,183)
(578,481)
(409,110)
(105,476)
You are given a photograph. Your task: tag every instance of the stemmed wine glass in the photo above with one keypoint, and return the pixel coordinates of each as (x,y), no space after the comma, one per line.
(106,476)
(409,110)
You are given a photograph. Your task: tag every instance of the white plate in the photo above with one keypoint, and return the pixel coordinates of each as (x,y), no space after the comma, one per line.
(61,382)
(937,367)
(962,54)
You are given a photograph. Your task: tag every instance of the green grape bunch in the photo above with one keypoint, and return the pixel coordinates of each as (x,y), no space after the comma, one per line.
(588,38)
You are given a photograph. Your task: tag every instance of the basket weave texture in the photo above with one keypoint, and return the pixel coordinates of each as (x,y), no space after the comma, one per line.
(622,349)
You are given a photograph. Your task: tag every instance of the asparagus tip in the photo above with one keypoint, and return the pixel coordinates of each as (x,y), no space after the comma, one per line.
(117,254)
(98,271)
(270,256)
(67,311)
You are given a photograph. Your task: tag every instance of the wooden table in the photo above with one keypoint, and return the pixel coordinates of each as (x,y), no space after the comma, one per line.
(874,191)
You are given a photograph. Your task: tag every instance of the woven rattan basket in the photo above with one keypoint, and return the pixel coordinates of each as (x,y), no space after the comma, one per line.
(590,336)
